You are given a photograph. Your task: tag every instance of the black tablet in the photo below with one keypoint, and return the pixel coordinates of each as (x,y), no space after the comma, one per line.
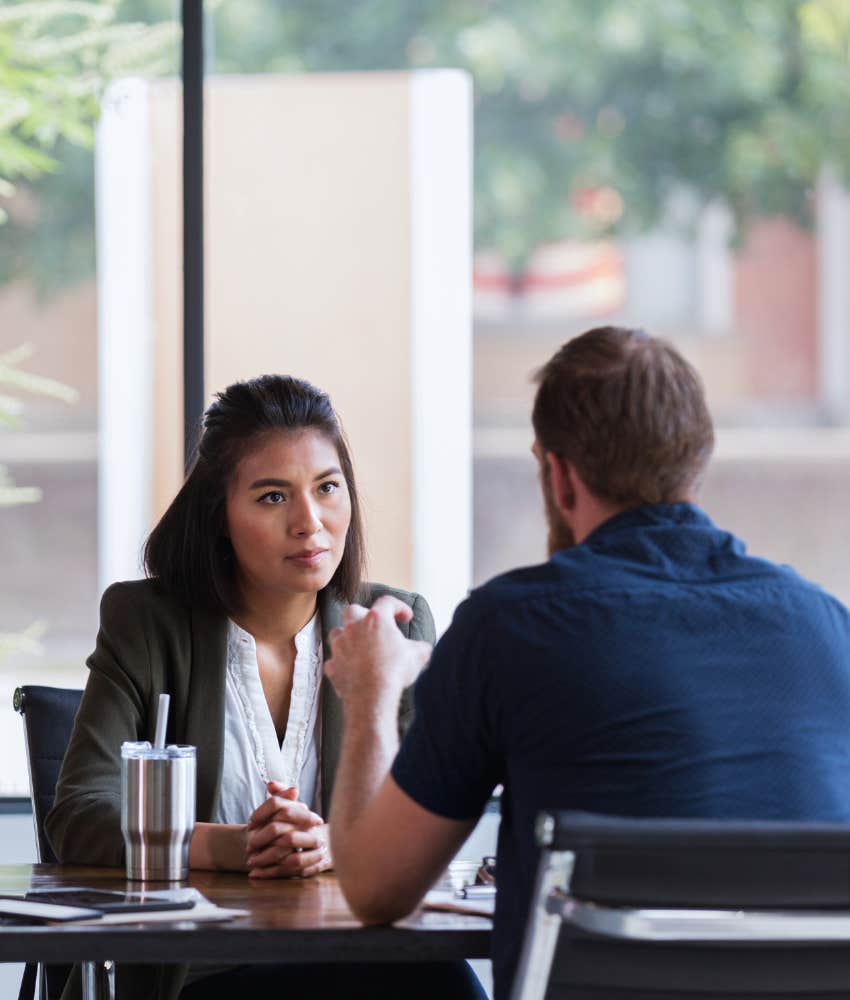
(107,900)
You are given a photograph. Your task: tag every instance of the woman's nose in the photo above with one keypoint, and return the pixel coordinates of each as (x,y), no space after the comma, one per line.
(304,519)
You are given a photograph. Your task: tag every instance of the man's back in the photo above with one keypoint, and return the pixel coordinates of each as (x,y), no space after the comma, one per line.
(654,670)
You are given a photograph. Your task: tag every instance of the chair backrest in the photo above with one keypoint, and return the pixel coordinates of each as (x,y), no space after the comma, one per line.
(48,715)
(649,907)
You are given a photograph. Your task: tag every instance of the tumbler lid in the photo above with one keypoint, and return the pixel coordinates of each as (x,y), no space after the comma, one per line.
(145,751)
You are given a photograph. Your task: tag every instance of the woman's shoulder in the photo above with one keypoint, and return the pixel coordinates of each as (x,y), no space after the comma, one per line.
(141,599)
(422,624)
(372,591)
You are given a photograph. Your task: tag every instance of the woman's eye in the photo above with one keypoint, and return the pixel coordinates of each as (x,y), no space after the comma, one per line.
(275,496)
(329,487)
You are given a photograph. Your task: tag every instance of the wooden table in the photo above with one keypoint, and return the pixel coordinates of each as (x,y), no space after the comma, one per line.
(287,921)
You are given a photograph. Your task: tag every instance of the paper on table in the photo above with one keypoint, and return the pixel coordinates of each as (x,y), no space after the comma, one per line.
(445,899)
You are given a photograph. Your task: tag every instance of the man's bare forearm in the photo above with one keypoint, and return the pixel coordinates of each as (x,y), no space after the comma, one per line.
(384,869)
(371,665)
(369,746)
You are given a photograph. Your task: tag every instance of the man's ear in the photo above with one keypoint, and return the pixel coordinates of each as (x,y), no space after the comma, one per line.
(561,481)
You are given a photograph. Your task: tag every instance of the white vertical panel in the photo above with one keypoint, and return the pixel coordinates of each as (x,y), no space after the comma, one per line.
(660,280)
(715,269)
(833,240)
(441,336)
(125,329)
(339,225)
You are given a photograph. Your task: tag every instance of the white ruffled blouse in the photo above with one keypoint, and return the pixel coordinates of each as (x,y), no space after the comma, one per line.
(252,753)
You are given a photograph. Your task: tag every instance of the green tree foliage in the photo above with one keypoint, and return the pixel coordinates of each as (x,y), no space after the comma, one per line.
(739,99)
(589,114)
(15,379)
(56,59)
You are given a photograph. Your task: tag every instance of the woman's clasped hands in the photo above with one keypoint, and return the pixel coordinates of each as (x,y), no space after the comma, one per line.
(286,839)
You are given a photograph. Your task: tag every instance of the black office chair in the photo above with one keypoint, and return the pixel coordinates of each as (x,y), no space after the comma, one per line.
(48,715)
(651,909)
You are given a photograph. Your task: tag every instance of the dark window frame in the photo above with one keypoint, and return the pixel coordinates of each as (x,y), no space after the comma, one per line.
(192,74)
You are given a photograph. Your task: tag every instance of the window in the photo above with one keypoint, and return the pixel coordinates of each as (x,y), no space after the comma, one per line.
(58,63)
(671,164)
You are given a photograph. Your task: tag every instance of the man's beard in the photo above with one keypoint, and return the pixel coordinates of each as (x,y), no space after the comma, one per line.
(560,535)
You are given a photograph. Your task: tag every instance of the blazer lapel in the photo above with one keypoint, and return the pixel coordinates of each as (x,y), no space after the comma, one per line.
(331,613)
(205,701)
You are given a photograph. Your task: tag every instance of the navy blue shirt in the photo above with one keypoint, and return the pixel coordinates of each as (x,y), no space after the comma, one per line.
(654,670)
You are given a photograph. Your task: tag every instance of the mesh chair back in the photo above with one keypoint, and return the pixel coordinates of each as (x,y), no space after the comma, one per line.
(48,715)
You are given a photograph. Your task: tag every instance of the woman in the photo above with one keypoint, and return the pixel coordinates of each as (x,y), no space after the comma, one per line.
(248,572)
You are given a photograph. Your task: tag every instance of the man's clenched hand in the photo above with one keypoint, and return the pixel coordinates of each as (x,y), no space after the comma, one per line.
(371,661)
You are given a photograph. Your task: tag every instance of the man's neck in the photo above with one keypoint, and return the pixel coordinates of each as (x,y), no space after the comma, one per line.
(591,515)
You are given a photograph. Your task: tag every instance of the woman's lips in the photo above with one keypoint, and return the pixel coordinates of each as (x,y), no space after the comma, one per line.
(308,558)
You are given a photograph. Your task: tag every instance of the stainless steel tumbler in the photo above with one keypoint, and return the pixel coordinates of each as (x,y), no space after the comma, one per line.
(157,810)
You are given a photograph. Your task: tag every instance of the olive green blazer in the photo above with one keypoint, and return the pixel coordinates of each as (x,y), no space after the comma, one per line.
(148,643)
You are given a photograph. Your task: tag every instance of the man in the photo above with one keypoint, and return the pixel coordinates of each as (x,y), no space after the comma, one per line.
(649,668)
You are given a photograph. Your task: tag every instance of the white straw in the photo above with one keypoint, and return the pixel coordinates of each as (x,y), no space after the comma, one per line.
(161,720)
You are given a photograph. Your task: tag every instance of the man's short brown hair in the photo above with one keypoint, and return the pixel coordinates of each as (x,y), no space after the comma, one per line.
(628,412)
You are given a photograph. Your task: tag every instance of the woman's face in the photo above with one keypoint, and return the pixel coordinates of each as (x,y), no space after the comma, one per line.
(287,512)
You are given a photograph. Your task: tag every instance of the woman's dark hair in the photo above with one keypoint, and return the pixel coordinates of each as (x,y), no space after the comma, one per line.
(188,551)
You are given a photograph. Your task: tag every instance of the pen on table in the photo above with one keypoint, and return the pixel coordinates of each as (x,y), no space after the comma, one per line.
(476,892)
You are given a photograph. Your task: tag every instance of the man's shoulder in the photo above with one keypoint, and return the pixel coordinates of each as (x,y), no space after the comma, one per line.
(787,578)
(527,583)
(495,602)
(583,573)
